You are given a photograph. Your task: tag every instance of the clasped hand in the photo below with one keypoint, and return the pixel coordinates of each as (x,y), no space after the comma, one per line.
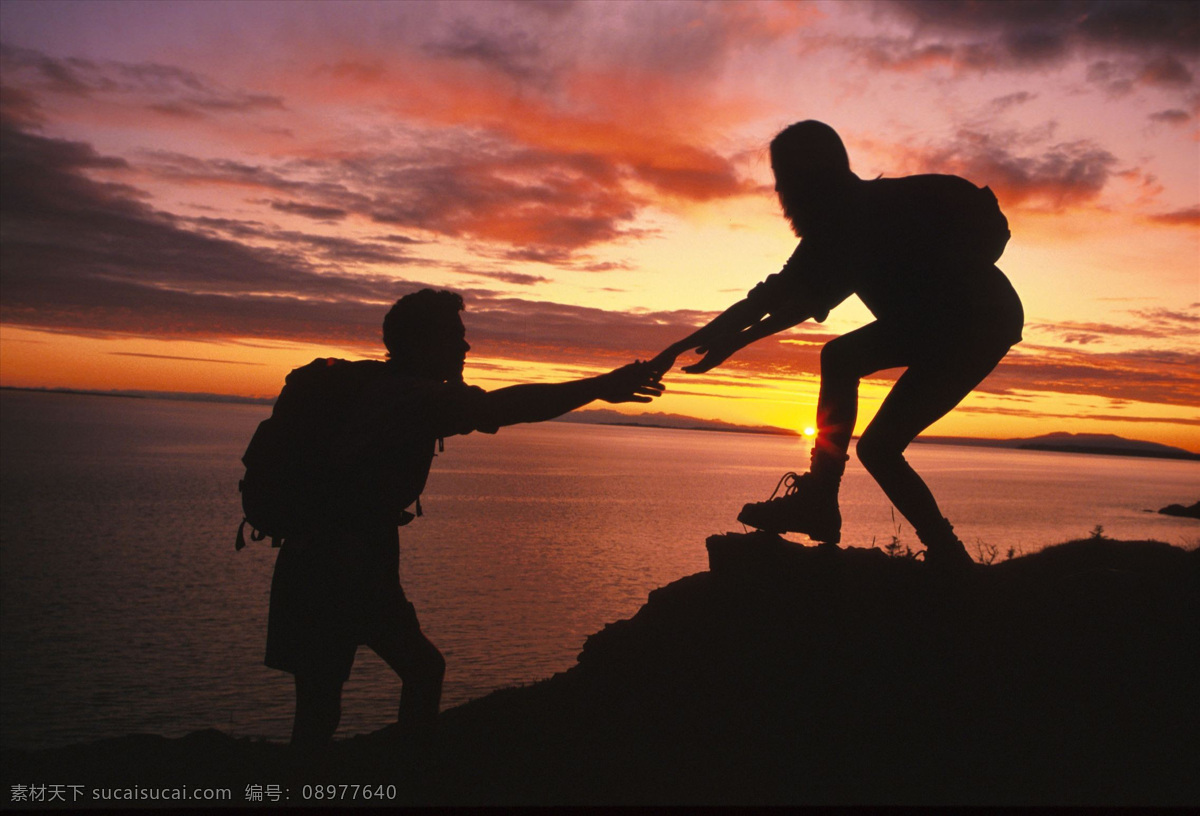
(715,348)
(636,382)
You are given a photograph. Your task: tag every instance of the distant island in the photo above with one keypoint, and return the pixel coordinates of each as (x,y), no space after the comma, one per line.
(1060,441)
(678,422)
(1182,511)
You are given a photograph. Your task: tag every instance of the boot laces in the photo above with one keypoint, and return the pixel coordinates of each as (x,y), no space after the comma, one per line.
(790,484)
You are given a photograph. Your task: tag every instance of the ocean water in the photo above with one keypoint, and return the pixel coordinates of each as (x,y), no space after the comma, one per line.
(125,609)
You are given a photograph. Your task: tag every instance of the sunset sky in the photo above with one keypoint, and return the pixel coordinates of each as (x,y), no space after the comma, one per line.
(201,196)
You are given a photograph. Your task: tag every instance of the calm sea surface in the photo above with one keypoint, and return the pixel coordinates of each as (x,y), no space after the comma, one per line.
(124,607)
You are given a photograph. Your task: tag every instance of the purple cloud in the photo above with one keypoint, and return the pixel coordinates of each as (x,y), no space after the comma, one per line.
(1055,176)
(165,89)
(1128,42)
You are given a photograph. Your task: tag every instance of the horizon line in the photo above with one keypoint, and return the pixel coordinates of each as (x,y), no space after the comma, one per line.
(731,427)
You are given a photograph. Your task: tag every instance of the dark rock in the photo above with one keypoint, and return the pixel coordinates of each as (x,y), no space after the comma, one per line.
(804,675)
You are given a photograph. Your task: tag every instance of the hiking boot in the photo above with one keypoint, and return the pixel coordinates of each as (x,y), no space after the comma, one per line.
(807,506)
(943,551)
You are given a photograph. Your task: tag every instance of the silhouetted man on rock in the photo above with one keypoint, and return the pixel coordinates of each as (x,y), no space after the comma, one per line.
(336,582)
(920,253)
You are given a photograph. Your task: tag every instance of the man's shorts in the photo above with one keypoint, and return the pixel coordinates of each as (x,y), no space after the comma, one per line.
(331,594)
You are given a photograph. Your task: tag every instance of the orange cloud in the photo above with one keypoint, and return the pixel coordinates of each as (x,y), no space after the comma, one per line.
(85,257)
(1189,217)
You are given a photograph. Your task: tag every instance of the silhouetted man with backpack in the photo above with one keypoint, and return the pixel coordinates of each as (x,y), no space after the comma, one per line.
(920,252)
(331,474)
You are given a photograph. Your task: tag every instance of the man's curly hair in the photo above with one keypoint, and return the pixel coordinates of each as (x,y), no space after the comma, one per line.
(414,316)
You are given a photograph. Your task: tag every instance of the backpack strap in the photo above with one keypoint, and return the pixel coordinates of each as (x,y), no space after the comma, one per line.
(239,543)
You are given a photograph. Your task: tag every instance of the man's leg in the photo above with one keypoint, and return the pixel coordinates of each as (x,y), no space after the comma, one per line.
(845,361)
(811,504)
(318,711)
(421,668)
(307,636)
(926,392)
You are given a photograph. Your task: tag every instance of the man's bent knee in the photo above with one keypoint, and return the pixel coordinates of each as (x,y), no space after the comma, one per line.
(859,353)
(835,360)
(876,454)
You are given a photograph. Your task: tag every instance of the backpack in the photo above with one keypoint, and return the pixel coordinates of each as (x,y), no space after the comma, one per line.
(953,219)
(290,487)
(985,226)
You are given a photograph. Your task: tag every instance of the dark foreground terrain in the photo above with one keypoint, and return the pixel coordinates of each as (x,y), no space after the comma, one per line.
(789,674)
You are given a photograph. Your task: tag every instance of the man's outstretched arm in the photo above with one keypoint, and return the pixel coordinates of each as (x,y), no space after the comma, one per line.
(736,318)
(750,319)
(721,347)
(537,402)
